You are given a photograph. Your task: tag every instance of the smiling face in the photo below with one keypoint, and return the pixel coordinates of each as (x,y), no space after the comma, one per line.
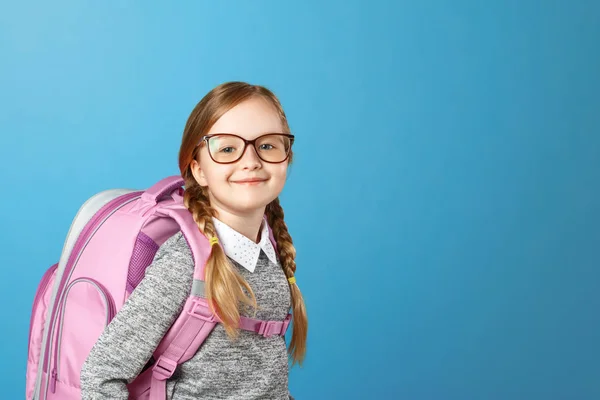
(228,186)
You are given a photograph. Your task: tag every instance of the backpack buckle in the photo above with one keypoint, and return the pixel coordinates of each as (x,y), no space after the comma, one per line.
(270,328)
(164,368)
(201,311)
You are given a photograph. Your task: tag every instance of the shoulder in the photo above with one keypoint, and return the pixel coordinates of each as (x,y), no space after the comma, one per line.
(174,244)
(174,255)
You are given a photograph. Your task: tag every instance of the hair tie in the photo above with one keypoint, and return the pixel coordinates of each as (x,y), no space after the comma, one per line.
(213,240)
(292,280)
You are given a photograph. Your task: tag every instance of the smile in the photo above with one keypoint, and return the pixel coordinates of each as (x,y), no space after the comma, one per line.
(251,182)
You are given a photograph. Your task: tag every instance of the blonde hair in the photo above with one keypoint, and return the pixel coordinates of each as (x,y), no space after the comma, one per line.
(224,285)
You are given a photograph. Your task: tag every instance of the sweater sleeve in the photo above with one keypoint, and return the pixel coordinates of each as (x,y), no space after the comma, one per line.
(131,338)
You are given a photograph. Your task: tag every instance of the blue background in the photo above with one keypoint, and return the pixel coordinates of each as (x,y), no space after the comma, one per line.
(444,196)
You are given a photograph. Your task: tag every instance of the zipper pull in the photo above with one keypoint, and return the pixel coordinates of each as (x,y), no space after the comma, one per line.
(53,381)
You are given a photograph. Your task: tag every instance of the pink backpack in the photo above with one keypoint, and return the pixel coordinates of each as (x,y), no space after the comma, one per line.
(113,238)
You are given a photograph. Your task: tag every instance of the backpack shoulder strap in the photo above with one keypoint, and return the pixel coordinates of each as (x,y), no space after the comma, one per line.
(198,323)
(197,242)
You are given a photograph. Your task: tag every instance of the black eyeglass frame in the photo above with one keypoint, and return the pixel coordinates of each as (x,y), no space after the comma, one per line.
(205,138)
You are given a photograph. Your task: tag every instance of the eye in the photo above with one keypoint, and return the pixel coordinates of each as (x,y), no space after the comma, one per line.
(267,146)
(227,149)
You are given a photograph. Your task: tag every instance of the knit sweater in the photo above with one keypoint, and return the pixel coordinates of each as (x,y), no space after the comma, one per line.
(250,367)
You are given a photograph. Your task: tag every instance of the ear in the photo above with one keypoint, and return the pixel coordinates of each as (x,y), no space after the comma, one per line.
(198,173)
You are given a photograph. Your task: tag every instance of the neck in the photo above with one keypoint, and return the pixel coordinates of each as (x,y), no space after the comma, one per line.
(248,224)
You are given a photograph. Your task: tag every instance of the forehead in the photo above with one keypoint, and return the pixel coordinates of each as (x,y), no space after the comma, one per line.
(249,119)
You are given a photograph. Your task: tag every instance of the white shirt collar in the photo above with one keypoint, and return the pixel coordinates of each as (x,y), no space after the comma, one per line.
(243,250)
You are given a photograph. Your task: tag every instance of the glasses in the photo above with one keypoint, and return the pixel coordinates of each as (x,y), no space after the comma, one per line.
(227,148)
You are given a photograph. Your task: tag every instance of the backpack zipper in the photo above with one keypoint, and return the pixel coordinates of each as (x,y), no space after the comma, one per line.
(42,287)
(109,307)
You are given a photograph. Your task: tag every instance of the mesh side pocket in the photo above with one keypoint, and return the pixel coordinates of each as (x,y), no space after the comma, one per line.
(143,254)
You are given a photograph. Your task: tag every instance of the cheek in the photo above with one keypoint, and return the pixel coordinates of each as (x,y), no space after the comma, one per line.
(279,171)
(215,173)
(280,175)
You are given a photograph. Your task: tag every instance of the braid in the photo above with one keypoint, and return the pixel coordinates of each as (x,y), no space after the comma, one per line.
(287,255)
(197,203)
(224,285)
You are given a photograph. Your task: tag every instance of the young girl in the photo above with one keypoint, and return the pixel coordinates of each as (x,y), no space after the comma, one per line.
(234,156)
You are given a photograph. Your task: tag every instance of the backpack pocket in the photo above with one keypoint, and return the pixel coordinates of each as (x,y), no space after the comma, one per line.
(85,311)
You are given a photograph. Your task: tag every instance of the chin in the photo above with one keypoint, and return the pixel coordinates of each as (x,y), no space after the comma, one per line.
(241,203)
(251,204)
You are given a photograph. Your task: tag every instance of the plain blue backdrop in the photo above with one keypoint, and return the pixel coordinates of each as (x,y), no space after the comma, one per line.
(444,196)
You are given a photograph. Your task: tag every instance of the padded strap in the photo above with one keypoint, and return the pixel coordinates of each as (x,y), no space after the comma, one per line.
(198,243)
(200,322)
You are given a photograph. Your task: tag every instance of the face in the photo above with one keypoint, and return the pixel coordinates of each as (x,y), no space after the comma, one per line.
(227,192)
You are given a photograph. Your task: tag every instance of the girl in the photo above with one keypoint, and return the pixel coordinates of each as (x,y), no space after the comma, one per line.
(234,155)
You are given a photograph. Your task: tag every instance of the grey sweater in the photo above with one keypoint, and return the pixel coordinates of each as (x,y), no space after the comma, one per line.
(251,367)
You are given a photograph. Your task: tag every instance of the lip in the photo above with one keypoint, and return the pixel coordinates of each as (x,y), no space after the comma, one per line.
(251,181)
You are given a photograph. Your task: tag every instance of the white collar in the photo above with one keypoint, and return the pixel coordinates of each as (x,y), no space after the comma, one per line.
(243,250)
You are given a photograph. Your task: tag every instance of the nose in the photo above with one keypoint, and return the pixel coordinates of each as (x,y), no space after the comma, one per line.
(250,159)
